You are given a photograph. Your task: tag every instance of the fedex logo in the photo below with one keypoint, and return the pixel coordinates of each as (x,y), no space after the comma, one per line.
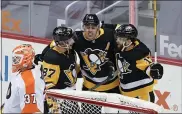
(172,49)
(4,73)
(9,23)
(161,100)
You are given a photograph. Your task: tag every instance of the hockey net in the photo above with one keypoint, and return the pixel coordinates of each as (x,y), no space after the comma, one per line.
(86,102)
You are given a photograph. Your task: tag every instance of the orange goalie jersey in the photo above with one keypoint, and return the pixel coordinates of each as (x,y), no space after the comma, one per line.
(25,93)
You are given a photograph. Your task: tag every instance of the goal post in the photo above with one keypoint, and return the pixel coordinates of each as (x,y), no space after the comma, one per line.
(72,101)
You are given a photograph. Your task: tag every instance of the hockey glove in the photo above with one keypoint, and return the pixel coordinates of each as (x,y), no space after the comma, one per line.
(111,69)
(38,58)
(156,71)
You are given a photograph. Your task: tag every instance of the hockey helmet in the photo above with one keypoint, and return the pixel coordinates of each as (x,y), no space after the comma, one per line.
(91,19)
(64,34)
(126,31)
(22,57)
(123,34)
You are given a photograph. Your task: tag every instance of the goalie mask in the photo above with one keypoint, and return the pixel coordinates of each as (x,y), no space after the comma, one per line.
(125,35)
(64,37)
(22,57)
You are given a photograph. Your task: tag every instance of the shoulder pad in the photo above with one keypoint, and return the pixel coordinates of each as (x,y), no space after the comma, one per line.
(141,50)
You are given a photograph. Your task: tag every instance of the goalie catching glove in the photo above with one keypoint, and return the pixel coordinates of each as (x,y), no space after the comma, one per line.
(156,71)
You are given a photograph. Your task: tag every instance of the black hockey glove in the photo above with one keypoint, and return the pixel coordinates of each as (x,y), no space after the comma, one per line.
(156,71)
(38,58)
(111,69)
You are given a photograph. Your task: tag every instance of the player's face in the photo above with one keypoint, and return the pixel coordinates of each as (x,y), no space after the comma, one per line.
(123,43)
(65,45)
(91,31)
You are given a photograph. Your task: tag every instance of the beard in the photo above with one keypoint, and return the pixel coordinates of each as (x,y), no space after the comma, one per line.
(120,43)
(119,46)
(123,43)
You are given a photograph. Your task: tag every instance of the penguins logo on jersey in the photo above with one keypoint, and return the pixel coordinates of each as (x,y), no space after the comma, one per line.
(94,59)
(71,75)
(122,64)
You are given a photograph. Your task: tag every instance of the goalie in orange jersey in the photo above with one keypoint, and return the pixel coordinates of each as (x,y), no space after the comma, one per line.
(25,93)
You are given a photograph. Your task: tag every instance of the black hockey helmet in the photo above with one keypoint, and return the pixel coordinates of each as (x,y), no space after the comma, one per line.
(91,19)
(61,34)
(127,31)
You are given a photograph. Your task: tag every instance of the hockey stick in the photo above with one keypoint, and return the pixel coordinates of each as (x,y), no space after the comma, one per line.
(1,108)
(106,80)
(155,28)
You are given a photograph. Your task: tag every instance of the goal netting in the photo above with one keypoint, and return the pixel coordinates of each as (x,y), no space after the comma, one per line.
(86,102)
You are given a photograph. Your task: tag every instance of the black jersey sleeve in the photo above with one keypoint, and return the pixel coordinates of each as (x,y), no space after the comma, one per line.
(110,26)
(143,57)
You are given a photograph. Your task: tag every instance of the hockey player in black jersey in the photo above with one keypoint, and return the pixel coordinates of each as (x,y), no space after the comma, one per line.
(138,72)
(59,62)
(95,47)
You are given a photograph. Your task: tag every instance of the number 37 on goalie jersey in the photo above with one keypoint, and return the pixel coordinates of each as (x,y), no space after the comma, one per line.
(25,92)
